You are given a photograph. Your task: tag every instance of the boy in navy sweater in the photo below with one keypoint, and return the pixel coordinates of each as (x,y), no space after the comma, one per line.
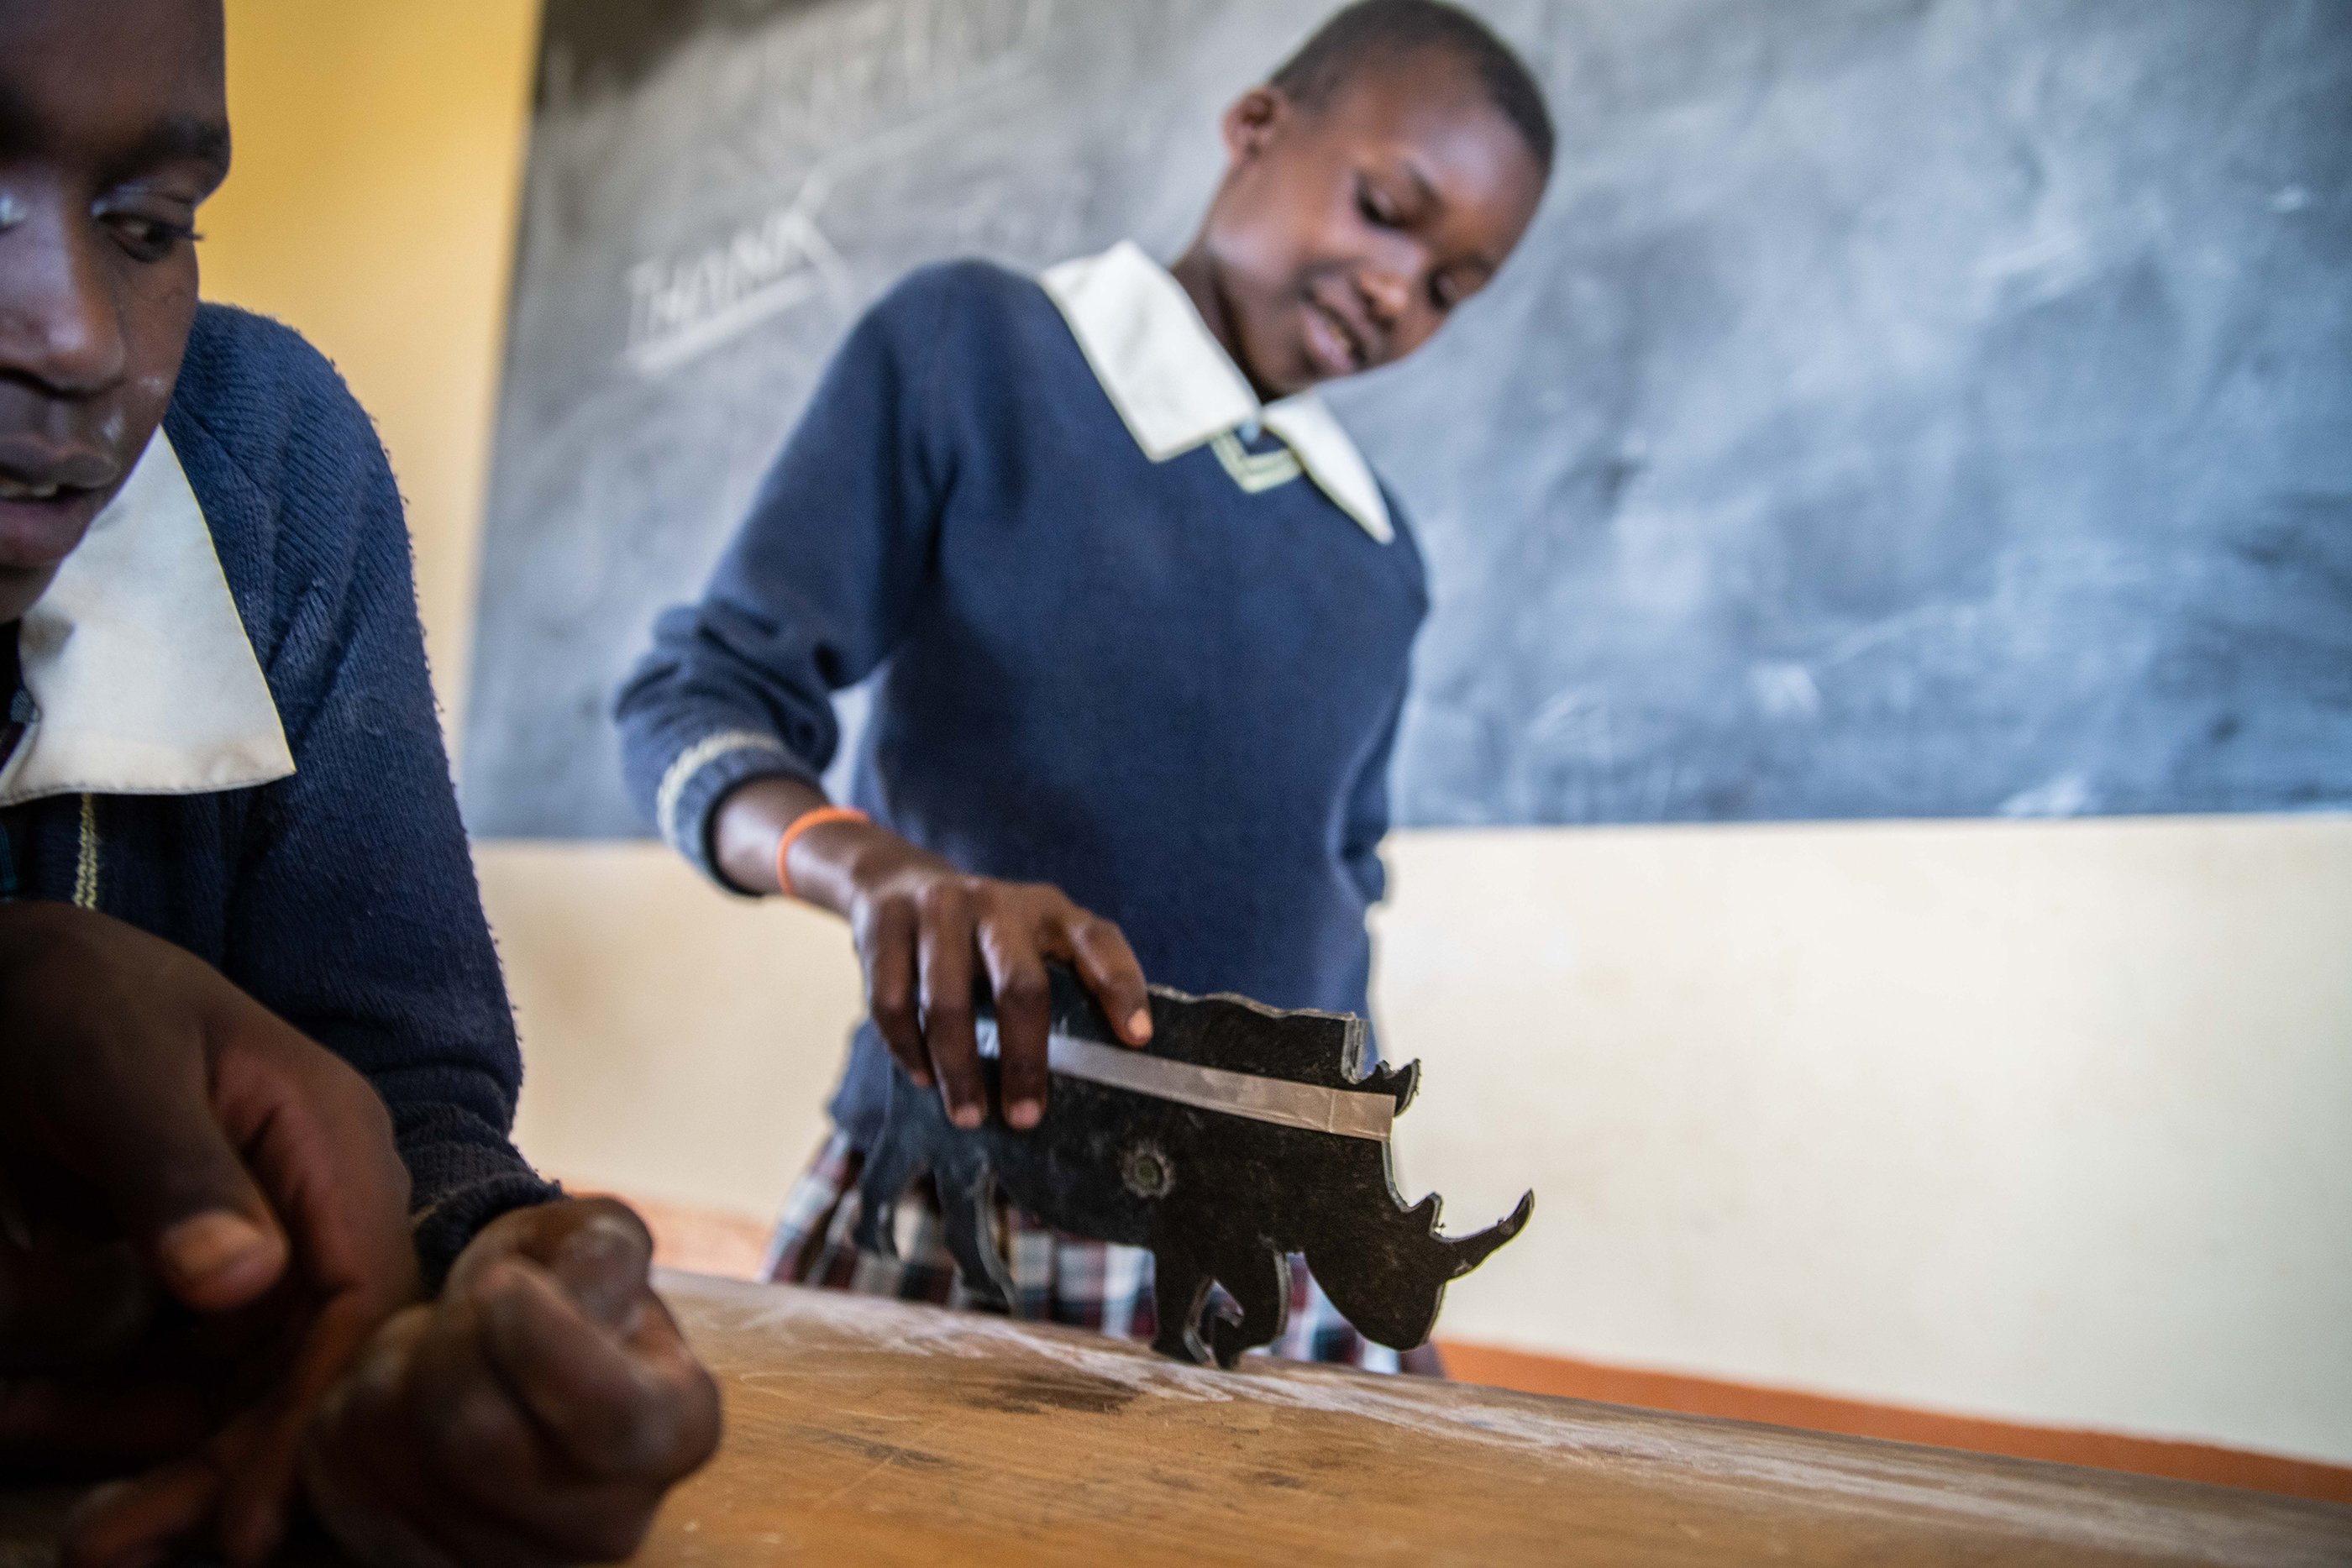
(1143,611)
(256,1059)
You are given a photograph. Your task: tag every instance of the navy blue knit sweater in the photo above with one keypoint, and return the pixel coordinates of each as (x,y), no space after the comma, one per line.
(1172,698)
(343,897)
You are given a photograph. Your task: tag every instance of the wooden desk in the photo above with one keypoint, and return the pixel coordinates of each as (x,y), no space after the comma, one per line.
(867,1432)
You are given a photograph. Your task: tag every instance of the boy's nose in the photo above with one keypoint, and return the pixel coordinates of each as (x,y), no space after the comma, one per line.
(60,322)
(1386,291)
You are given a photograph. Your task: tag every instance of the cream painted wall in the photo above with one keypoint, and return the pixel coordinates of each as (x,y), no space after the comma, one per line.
(681,1042)
(2051,1122)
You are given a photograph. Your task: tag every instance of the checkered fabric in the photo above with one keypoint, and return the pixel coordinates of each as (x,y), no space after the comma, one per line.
(1055,1278)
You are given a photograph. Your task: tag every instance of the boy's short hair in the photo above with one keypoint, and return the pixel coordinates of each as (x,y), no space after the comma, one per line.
(1372,29)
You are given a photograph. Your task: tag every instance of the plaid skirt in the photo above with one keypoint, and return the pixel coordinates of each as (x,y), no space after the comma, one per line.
(1056,1278)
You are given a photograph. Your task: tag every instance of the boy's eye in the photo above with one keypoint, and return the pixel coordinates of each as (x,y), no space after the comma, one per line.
(1376,208)
(144,236)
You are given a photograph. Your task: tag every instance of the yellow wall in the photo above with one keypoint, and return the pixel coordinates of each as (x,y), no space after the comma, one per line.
(2049,1121)
(379,151)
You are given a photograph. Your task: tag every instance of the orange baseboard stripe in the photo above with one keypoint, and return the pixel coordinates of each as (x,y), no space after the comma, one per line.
(1817,1413)
(703,1240)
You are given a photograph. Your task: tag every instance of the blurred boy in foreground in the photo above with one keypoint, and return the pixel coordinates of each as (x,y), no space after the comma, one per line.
(258,1210)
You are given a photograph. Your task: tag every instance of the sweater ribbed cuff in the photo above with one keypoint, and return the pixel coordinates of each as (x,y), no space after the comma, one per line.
(450,1225)
(702,775)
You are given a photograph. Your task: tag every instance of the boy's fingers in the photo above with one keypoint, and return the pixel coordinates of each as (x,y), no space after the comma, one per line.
(366,1487)
(219,1259)
(401,1517)
(471,1431)
(890,987)
(1024,1016)
(358,1510)
(366,1430)
(252,1462)
(572,1377)
(109,1079)
(597,1251)
(259,1491)
(549,1529)
(615,1413)
(318,1137)
(1108,966)
(136,1522)
(470,1464)
(247,1468)
(364,1462)
(603,1259)
(173,1182)
(945,948)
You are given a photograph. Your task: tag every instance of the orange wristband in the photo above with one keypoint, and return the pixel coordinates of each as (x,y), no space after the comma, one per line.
(801,824)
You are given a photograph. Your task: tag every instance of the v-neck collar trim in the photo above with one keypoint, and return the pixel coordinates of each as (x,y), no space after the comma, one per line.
(1175,387)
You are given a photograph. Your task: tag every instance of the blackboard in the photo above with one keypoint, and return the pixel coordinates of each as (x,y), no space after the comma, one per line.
(1901,407)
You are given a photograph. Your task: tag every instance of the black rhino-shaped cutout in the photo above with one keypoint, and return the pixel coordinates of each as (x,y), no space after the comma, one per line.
(1216,1196)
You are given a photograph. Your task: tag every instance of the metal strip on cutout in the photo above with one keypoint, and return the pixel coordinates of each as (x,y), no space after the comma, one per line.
(1276,1100)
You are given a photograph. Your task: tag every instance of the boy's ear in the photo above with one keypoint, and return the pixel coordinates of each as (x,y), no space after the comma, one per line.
(1253,119)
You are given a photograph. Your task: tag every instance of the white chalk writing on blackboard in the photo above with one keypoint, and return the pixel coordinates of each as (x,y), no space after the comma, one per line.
(682,306)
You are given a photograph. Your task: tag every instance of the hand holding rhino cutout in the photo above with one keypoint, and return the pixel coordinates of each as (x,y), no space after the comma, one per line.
(1220,1195)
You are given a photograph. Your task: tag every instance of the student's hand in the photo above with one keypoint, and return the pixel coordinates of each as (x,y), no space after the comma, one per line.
(925,930)
(206,1218)
(535,1414)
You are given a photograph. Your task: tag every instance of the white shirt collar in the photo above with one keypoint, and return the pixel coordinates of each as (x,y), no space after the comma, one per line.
(1176,387)
(145,681)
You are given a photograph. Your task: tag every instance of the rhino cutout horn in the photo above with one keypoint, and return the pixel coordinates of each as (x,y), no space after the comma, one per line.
(1389,1277)
(1402,1082)
(1469,1251)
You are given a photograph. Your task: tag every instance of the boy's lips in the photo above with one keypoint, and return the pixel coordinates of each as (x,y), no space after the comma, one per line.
(1331,340)
(38,532)
(47,499)
(31,463)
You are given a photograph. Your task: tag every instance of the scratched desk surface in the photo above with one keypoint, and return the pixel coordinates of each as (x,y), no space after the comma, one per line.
(871,1432)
